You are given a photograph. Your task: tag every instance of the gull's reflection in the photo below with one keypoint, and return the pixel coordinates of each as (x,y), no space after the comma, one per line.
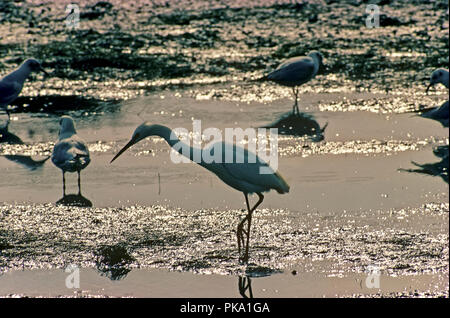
(438,169)
(26,161)
(301,124)
(9,138)
(245,287)
(74,200)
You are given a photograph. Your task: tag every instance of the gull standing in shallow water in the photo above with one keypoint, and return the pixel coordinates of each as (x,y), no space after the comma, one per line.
(11,85)
(440,114)
(70,153)
(296,71)
(438,76)
(245,177)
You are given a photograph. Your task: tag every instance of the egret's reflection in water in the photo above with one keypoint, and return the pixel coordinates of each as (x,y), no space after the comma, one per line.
(301,124)
(245,287)
(26,161)
(252,271)
(437,169)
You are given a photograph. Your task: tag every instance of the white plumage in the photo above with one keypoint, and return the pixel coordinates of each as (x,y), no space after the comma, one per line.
(239,174)
(440,114)
(438,76)
(70,153)
(296,71)
(11,85)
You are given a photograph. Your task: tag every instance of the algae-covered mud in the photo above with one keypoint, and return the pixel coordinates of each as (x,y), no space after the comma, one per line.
(368,177)
(123,50)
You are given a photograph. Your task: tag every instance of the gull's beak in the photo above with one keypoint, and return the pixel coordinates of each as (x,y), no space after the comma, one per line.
(43,71)
(128,145)
(428,88)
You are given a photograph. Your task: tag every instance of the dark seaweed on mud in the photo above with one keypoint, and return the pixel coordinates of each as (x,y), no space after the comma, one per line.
(60,105)
(113,261)
(161,42)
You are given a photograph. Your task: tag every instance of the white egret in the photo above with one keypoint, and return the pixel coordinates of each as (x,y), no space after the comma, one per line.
(245,177)
(70,153)
(438,76)
(11,85)
(296,71)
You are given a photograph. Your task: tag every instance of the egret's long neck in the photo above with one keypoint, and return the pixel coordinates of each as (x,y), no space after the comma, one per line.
(19,75)
(194,154)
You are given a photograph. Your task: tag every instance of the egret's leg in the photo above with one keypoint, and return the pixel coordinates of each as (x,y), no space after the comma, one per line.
(240,228)
(79,183)
(240,236)
(64,184)
(249,220)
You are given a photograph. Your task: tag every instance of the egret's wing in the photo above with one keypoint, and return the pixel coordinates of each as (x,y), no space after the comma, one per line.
(8,92)
(296,70)
(251,169)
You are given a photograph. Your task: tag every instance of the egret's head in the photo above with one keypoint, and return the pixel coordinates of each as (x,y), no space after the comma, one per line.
(316,55)
(438,76)
(141,132)
(66,127)
(33,66)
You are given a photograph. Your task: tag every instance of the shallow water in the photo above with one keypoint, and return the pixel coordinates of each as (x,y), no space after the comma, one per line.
(350,204)
(369,179)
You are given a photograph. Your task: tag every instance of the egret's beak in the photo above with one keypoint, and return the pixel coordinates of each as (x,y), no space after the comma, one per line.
(128,145)
(43,71)
(428,88)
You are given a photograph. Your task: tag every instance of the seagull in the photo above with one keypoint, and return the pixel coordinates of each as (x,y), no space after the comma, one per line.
(11,85)
(296,71)
(245,177)
(440,114)
(438,76)
(70,153)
